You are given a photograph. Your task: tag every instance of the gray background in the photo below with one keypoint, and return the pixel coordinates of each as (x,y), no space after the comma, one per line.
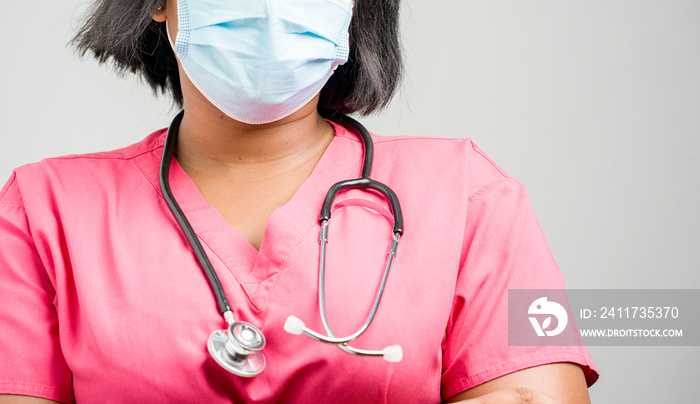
(594,106)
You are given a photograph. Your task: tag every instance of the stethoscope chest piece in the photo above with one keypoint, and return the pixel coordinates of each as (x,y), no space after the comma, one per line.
(237,349)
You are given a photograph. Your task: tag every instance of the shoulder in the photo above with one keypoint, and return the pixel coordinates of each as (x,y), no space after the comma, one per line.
(152,142)
(76,174)
(457,161)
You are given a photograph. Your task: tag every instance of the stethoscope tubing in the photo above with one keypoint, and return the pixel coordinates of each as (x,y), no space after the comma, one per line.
(364,181)
(322,291)
(238,366)
(168,153)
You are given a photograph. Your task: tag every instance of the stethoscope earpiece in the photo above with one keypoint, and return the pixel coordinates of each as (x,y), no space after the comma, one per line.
(295,326)
(237,349)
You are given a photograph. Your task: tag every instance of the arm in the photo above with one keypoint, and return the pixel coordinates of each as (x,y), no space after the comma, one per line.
(547,384)
(504,249)
(10,399)
(32,362)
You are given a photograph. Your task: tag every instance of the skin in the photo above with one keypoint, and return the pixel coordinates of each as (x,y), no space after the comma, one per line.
(247,171)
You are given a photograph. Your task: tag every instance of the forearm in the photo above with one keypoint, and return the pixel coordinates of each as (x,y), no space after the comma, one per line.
(557,383)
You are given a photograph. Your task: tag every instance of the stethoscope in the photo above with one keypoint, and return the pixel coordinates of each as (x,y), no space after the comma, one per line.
(238,347)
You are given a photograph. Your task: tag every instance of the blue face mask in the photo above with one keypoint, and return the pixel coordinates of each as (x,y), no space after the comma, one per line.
(259,61)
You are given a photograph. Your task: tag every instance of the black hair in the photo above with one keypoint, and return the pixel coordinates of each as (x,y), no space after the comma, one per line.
(123,32)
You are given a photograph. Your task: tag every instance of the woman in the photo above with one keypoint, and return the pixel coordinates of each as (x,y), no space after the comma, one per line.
(106,298)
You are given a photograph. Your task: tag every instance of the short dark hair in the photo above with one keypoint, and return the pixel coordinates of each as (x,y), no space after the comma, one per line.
(123,32)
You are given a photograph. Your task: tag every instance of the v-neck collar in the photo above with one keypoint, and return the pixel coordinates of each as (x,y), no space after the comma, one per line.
(257,271)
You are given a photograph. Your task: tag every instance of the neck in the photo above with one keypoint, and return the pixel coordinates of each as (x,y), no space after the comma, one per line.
(211,142)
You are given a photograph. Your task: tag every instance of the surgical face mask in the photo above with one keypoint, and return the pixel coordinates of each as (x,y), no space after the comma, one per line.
(259,61)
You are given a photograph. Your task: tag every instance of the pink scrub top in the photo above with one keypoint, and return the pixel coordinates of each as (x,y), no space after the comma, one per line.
(104,301)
